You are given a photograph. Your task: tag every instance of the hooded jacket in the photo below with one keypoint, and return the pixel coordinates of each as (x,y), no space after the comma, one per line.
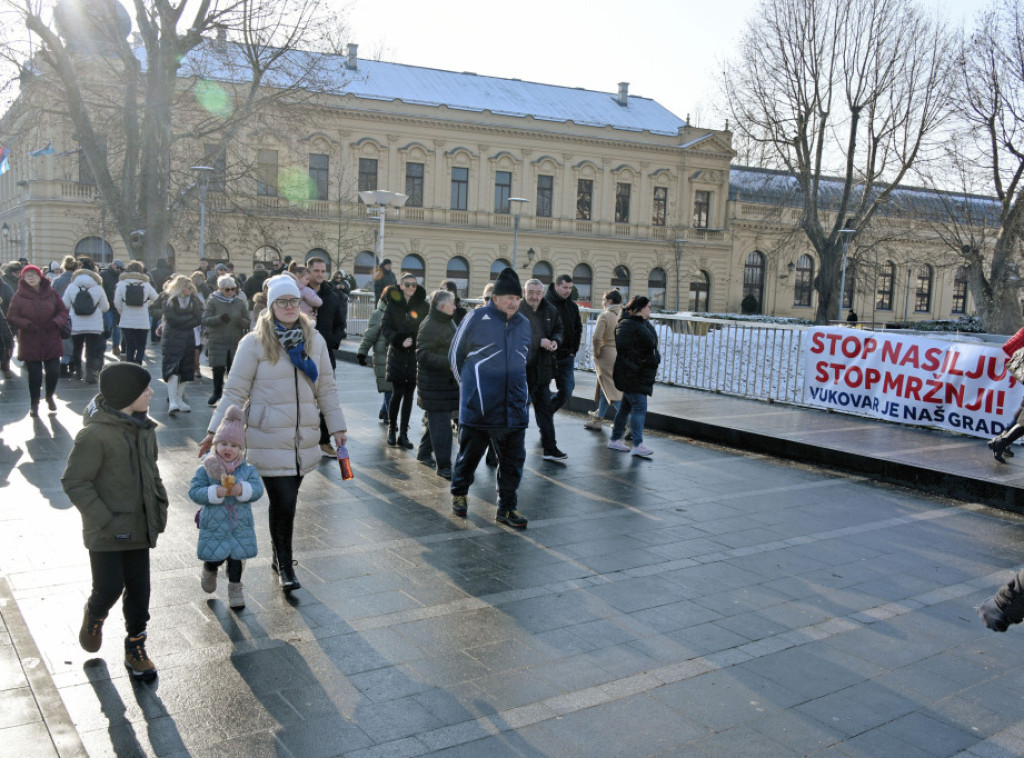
(93,323)
(38,315)
(113,479)
(373,339)
(226,528)
(637,357)
(488,357)
(400,322)
(134,316)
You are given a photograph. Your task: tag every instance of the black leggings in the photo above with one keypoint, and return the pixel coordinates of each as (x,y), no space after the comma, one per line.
(401,396)
(283,493)
(120,571)
(35,377)
(234,568)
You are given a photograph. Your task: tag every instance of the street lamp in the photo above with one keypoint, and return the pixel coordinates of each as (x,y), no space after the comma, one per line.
(679,262)
(906,303)
(842,281)
(203,180)
(515,229)
(377,204)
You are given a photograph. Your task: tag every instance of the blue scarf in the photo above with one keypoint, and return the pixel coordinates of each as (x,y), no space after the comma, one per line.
(294,343)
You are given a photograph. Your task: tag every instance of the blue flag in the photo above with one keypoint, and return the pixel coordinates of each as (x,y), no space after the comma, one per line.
(48,150)
(5,164)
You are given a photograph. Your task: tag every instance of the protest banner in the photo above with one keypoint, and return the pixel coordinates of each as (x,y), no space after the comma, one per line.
(960,386)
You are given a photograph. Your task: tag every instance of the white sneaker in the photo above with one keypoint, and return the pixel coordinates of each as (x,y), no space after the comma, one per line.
(642,451)
(209,580)
(236,597)
(618,445)
(593,422)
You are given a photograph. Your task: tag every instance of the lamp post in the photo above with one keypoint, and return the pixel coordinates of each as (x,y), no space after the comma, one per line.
(906,302)
(377,204)
(203,180)
(515,228)
(679,264)
(842,280)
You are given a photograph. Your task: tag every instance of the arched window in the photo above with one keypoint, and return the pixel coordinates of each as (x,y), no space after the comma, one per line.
(413,264)
(97,248)
(499,265)
(458,272)
(960,291)
(319,252)
(804,283)
(656,284)
(620,281)
(216,253)
(850,283)
(923,295)
(753,281)
(700,292)
(267,256)
(583,281)
(362,270)
(886,279)
(542,270)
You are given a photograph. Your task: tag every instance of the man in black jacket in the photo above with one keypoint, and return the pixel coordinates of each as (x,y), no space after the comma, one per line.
(546,326)
(331,327)
(560,295)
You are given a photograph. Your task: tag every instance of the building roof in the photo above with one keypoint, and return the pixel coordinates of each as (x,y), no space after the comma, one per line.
(415,85)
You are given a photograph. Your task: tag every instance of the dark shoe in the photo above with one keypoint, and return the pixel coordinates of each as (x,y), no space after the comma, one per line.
(403,441)
(382,415)
(460,505)
(393,437)
(136,661)
(8,374)
(998,451)
(214,399)
(426,461)
(90,636)
(512,518)
(445,473)
(554,454)
(34,410)
(287,578)
(51,404)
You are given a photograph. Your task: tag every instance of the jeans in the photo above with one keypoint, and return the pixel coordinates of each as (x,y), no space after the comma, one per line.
(35,378)
(545,416)
(565,381)
(386,403)
(135,344)
(437,439)
(633,409)
(234,568)
(510,446)
(110,325)
(120,571)
(603,404)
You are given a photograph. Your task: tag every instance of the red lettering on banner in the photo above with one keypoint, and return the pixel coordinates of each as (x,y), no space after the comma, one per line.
(933,395)
(913,387)
(893,382)
(891,352)
(911,357)
(931,359)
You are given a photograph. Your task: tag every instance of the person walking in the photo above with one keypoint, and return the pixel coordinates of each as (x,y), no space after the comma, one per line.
(437,392)
(488,358)
(546,331)
(403,313)
(603,349)
(559,294)
(111,275)
(282,376)
(383,277)
(39,315)
(182,313)
(6,335)
(330,323)
(636,367)
(226,320)
(132,298)
(113,479)
(86,300)
(373,339)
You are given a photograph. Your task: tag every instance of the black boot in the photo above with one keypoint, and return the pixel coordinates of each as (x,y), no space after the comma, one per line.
(284,566)
(403,440)
(392,436)
(218,385)
(1000,446)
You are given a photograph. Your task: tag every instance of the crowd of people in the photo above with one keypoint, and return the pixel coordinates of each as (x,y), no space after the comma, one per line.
(270,342)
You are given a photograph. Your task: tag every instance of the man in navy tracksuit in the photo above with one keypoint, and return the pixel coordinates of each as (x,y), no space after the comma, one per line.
(488,357)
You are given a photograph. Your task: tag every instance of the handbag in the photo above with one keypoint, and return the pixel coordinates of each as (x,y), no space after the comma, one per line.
(1015,365)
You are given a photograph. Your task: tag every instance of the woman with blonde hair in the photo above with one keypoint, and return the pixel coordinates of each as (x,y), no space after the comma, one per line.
(182,313)
(282,376)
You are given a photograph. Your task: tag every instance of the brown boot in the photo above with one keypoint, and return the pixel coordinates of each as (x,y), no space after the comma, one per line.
(90,636)
(136,660)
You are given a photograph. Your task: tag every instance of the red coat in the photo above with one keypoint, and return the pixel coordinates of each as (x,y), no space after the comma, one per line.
(38,316)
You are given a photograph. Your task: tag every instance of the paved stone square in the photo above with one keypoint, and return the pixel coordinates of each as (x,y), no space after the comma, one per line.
(707,602)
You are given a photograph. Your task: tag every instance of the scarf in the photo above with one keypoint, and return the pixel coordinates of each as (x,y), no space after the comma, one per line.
(294,343)
(224,298)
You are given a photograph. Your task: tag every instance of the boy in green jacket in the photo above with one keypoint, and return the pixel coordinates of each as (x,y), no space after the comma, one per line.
(113,479)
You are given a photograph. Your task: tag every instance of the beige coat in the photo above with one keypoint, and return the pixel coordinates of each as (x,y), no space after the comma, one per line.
(282,407)
(603,344)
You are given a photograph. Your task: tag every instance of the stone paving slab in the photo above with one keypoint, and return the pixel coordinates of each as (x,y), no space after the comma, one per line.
(711,601)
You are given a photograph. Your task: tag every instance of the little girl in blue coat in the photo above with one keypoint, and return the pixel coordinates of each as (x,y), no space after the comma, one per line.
(225,485)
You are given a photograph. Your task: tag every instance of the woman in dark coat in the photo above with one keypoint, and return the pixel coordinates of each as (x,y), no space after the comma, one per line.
(636,367)
(182,313)
(38,314)
(437,392)
(226,318)
(405,309)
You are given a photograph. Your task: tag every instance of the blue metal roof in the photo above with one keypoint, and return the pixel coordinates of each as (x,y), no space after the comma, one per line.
(415,85)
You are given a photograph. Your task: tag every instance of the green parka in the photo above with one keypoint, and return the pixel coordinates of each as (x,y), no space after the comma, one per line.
(113,479)
(373,339)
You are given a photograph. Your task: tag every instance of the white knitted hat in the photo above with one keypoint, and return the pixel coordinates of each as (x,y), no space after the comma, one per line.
(281,286)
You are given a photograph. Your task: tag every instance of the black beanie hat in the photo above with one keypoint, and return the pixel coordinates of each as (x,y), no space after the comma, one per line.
(122,383)
(507,283)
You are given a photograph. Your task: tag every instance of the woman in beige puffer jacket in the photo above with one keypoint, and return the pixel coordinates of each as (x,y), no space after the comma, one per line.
(603,345)
(283,392)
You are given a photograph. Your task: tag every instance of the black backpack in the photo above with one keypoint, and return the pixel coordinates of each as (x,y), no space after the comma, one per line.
(135,294)
(83,304)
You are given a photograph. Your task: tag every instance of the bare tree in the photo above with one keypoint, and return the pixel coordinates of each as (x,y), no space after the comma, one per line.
(137,104)
(991,68)
(846,94)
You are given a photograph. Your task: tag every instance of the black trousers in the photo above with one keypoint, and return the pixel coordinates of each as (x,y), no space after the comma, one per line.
(510,446)
(283,493)
(234,568)
(95,344)
(35,378)
(135,344)
(401,397)
(544,413)
(116,572)
(437,439)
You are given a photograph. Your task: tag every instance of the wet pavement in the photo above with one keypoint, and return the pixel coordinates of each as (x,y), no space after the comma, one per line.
(717,600)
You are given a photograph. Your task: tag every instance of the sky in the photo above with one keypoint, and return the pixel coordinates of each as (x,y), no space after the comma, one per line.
(668,50)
